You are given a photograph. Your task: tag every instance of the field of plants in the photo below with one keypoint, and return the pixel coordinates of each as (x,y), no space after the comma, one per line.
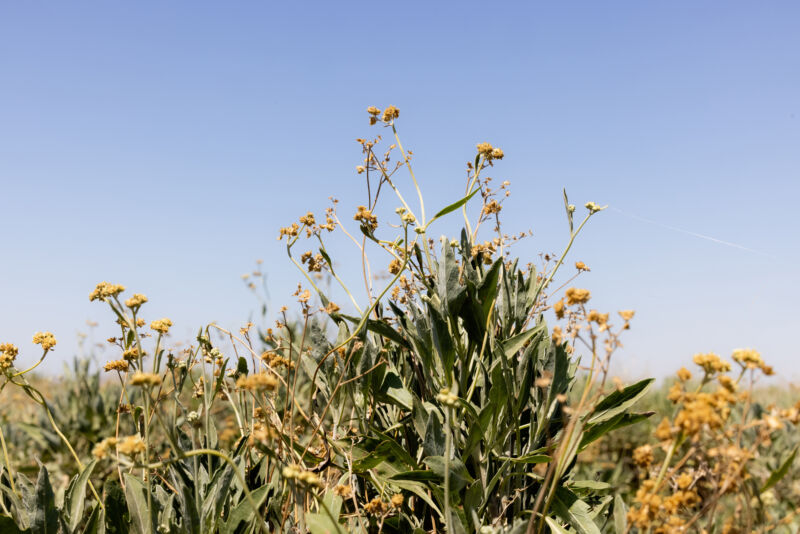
(443,401)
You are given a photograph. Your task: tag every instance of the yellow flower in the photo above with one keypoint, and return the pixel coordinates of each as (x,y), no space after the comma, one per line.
(45,339)
(395,266)
(577,296)
(485,149)
(258,382)
(643,456)
(105,290)
(116,365)
(131,354)
(135,301)
(747,358)
(102,449)
(558,308)
(145,379)
(684,374)
(390,114)
(131,445)
(366,217)
(711,363)
(161,325)
(8,353)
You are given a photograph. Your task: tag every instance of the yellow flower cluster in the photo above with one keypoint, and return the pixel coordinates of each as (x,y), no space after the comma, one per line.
(492,207)
(105,290)
(315,262)
(577,296)
(131,445)
(390,113)
(485,250)
(45,339)
(704,410)
(601,319)
(365,217)
(308,219)
(275,360)
(131,354)
(258,382)
(161,325)
(643,456)
(749,358)
(289,231)
(490,152)
(117,365)
(711,363)
(8,353)
(376,507)
(395,265)
(102,450)
(145,379)
(658,514)
(135,301)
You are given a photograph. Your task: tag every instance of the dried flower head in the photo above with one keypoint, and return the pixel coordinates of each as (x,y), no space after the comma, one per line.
(8,353)
(105,290)
(135,301)
(131,445)
(102,450)
(643,456)
(577,296)
(117,365)
(45,339)
(145,379)
(390,113)
(161,325)
(258,382)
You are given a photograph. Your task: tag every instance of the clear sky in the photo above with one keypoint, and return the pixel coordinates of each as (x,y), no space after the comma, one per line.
(161,145)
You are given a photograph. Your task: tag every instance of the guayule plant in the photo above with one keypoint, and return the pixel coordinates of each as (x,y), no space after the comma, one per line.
(441,401)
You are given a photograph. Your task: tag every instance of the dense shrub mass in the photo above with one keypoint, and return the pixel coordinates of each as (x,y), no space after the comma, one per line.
(440,402)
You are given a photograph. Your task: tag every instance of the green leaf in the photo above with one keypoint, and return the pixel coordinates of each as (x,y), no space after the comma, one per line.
(569,213)
(243,511)
(593,432)
(530,458)
(780,472)
(417,475)
(619,401)
(433,444)
(454,206)
(459,477)
(117,517)
(380,328)
(620,515)
(555,527)
(393,389)
(574,511)
(75,496)
(513,344)
(326,521)
(45,513)
(137,504)
(590,485)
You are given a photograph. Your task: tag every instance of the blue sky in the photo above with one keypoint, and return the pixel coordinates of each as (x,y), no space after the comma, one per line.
(161,145)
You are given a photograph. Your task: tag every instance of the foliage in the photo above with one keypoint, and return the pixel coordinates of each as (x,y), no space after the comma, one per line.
(442,401)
